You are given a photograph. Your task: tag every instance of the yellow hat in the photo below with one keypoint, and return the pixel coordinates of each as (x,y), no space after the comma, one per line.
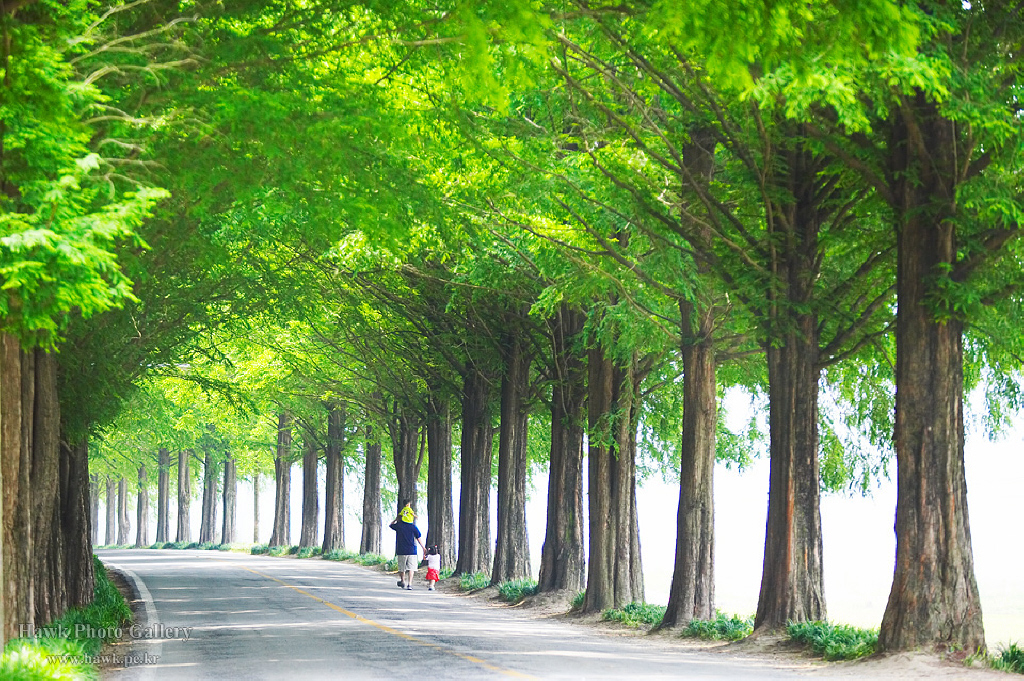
(406,514)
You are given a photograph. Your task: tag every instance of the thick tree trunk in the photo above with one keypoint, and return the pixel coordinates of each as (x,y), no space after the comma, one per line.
(792,581)
(407,455)
(334,493)
(227,534)
(512,548)
(255,508)
(45,484)
(614,576)
(124,523)
(77,528)
(934,599)
(110,529)
(163,485)
(310,495)
(474,499)
(142,511)
(692,594)
(15,458)
(562,562)
(184,531)
(282,533)
(208,520)
(370,539)
(440,514)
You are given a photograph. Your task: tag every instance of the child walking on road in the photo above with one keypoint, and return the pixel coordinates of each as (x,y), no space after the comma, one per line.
(433,567)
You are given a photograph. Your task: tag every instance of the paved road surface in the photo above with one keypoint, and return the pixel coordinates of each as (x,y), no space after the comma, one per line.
(256,617)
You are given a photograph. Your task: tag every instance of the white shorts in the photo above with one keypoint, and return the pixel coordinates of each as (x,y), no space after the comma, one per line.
(407,563)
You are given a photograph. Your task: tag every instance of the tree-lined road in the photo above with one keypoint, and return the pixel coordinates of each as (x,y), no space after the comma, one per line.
(279,618)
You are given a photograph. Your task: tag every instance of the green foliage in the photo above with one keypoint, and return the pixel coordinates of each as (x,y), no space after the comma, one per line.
(577,600)
(45,658)
(1009,659)
(209,546)
(371,559)
(341,554)
(282,550)
(516,590)
(722,627)
(447,572)
(475,581)
(308,552)
(259,550)
(391,565)
(835,641)
(635,614)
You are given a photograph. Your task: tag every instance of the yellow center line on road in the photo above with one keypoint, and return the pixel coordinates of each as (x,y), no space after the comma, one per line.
(385,628)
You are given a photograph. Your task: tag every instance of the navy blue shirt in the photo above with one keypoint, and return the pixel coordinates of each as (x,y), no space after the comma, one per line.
(405,538)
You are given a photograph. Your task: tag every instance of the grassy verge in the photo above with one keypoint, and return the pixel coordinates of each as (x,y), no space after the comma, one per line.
(577,600)
(835,641)
(370,559)
(477,580)
(635,614)
(721,628)
(63,648)
(516,590)
(1009,658)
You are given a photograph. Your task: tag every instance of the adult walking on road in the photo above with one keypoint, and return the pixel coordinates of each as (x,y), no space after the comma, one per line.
(407,535)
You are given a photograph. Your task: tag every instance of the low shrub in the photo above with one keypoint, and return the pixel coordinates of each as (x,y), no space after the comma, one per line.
(722,627)
(391,565)
(477,580)
(190,545)
(370,559)
(308,552)
(46,658)
(158,545)
(634,614)
(577,600)
(1009,659)
(259,550)
(283,550)
(835,641)
(516,590)
(209,546)
(445,573)
(340,554)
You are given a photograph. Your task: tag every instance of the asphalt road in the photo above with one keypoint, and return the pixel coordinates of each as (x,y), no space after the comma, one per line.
(215,615)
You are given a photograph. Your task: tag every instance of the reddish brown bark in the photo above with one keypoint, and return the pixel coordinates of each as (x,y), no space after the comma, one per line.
(440,514)
(163,501)
(184,529)
(281,534)
(370,537)
(230,496)
(310,495)
(934,599)
(142,511)
(334,496)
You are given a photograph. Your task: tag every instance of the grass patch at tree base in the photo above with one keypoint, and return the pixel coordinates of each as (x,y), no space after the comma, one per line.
(474,581)
(834,641)
(63,648)
(516,590)
(635,614)
(722,628)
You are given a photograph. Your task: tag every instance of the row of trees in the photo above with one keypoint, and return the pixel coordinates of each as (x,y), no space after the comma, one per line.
(540,225)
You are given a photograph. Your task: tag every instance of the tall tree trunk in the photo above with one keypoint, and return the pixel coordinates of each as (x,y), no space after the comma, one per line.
(614,576)
(77,527)
(16,462)
(163,485)
(310,495)
(512,548)
(792,581)
(562,562)
(405,431)
(440,515)
(142,511)
(934,599)
(692,594)
(256,508)
(334,496)
(227,534)
(110,530)
(124,523)
(184,533)
(282,533)
(370,539)
(208,520)
(474,498)
(45,484)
